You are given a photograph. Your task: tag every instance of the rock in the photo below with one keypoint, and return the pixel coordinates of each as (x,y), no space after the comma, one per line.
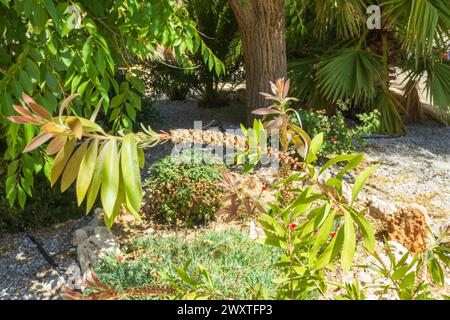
(93,242)
(409,226)
(380,209)
(74,278)
(79,236)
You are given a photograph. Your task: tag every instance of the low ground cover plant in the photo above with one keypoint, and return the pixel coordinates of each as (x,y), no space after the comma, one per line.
(235,264)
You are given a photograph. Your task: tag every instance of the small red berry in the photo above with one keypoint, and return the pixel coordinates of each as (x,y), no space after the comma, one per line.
(292,226)
(333,234)
(264,188)
(333,139)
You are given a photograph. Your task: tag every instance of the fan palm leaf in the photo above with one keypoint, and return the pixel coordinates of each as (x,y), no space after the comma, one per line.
(350,73)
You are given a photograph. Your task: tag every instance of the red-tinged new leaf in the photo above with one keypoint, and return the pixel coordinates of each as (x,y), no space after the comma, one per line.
(265,111)
(61,160)
(24,111)
(24,120)
(286,87)
(38,109)
(86,171)
(65,103)
(56,145)
(71,171)
(38,141)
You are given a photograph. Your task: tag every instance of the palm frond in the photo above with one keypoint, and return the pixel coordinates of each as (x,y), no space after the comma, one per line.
(350,73)
(347,17)
(422,24)
(388,106)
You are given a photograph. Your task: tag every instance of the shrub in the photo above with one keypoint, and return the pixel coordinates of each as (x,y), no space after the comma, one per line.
(184,192)
(339,137)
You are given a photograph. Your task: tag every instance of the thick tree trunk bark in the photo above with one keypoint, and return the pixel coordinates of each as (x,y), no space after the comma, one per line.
(262,29)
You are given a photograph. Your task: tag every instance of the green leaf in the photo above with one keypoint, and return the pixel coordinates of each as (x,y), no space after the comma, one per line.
(131,174)
(361,181)
(331,251)
(314,148)
(87,50)
(337,159)
(97,178)
(86,171)
(324,233)
(348,249)
(366,230)
(141,157)
(110,177)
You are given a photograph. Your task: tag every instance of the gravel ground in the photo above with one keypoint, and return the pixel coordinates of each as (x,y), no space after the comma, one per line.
(415,168)
(25,273)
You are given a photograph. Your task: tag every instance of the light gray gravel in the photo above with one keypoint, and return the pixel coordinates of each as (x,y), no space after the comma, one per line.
(414,168)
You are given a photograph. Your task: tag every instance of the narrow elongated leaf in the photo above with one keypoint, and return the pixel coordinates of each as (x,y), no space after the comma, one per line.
(73,166)
(361,181)
(131,174)
(39,110)
(324,233)
(314,148)
(264,111)
(331,251)
(22,110)
(141,157)
(110,177)
(348,249)
(366,230)
(96,179)
(24,120)
(337,159)
(56,144)
(61,160)
(86,171)
(38,141)
(64,105)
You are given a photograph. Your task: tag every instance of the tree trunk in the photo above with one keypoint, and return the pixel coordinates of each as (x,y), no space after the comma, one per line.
(262,28)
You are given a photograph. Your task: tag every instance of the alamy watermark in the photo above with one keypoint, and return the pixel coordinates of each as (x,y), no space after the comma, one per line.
(374,20)
(215,146)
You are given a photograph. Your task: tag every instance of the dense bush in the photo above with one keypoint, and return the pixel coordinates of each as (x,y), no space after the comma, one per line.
(183,192)
(339,136)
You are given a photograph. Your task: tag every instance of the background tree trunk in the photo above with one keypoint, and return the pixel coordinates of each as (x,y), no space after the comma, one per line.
(262,29)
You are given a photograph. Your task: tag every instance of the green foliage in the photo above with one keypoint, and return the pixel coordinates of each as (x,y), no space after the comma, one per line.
(334,56)
(54,49)
(183,190)
(48,207)
(236,266)
(338,136)
(316,227)
(219,31)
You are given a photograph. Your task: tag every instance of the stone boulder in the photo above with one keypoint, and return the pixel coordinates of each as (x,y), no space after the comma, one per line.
(94,241)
